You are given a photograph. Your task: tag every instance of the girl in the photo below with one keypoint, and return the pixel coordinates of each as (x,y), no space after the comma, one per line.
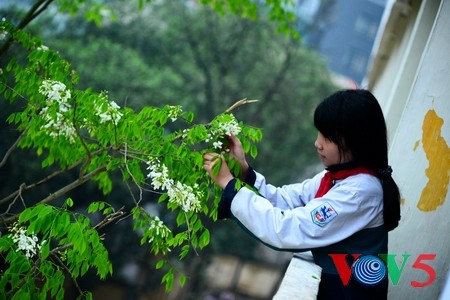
(346,209)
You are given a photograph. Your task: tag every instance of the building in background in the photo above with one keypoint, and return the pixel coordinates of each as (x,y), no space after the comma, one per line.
(343,31)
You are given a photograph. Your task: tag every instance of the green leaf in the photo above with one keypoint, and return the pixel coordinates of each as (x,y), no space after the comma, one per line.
(168,279)
(182,280)
(160,264)
(62,222)
(69,202)
(45,250)
(181,218)
(217,166)
(253,151)
(184,251)
(93,207)
(246,145)
(204,238)
(189,116)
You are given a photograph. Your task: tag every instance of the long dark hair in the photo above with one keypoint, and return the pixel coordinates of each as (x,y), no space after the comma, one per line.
(353,119)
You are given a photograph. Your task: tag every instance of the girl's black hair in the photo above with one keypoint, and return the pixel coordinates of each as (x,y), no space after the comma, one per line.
(353,119)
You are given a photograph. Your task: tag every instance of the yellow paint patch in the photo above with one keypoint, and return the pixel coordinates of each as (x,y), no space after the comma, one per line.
(438,156)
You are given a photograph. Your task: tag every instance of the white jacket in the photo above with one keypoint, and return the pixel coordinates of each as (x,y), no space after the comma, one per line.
(289,217)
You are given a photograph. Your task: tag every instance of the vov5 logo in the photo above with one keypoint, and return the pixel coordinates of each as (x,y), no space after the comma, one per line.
(371,270)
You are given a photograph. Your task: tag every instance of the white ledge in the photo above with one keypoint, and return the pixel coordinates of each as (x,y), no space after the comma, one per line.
(301,280)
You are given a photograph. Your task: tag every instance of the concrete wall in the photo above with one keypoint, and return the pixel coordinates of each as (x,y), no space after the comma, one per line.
(411,77)
(230,276)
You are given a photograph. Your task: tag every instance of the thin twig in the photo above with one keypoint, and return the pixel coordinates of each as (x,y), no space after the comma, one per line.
(109,218)
(60,262)
(24,187)
(77,131)
(34,11)
(61,191)
(132,177)
(239,103)
(19,195)
(72,185)
(12,148)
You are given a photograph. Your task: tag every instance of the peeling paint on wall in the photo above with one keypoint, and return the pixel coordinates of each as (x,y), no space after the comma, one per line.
(438,156)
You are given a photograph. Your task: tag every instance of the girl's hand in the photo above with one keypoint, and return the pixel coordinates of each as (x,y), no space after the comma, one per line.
(224,176)
(236,150)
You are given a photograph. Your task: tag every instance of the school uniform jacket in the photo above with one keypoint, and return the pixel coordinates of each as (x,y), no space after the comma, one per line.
(347,219)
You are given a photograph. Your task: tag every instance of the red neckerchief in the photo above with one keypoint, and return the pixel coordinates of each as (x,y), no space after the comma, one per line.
(330,176)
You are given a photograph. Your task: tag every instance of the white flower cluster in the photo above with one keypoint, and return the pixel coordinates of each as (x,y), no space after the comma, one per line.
(59,123)
(107,110)
(42,48)
(217,144)
(57,112)
(56,91)
(157,228)
(28,244)
(181,194)
(227,125)
(174,112)
(3,32)
(3,35)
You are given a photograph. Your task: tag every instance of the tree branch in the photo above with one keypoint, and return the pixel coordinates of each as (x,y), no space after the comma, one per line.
(34,11)
(109,218)
(238,104)
(72,185)
(13,147)
(281,74)
(24,187)
(61,191)
(61,263)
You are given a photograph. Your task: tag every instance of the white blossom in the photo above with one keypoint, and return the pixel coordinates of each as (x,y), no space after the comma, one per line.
(58,96)
(223,125)
(55,91)
(174,112)
(185,133)
(42,48)
(3,32)
(3,35)
(29,244)
(227,125)
(218,145)
(230,128)
(184,196)
(158,228)
(107,110)
(181,194)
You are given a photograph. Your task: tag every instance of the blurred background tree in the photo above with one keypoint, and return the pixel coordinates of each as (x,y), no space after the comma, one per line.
(180,53)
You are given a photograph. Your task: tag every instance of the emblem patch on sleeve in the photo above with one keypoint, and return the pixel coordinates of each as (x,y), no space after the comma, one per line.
(323,214)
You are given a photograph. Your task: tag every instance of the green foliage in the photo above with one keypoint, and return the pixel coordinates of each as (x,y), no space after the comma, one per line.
(72,128)
(55,241)
(190,57)
(84,130)
(278,11)
(119,69)
(93,10)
